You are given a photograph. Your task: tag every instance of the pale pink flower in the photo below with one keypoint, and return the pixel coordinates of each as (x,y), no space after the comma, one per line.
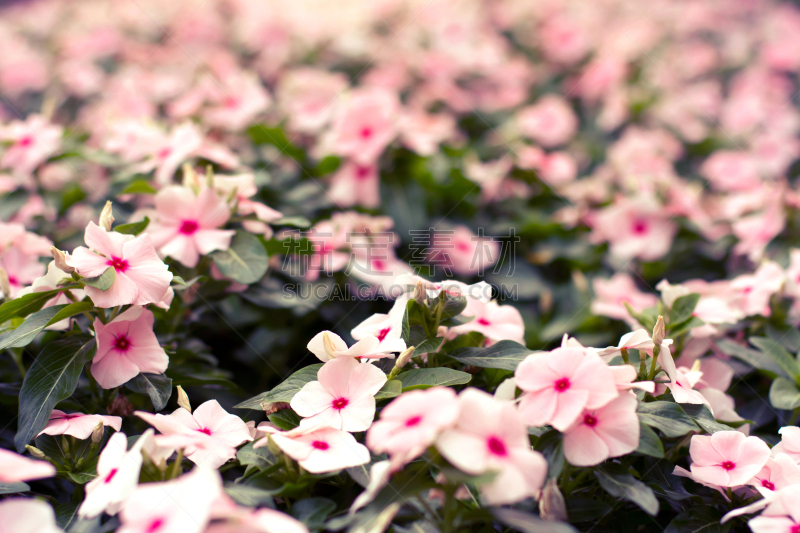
(379,474)
(789,444)
(239,102)
(14,235)
(242,188)
(611,295)
(127,346)
(727,458)
(78,425)
(117,476)
(463,252)
(731,171)
(563,40)
(141,276)
(356,184)
(33,142)
(365,124)
(344,396)
(187,224)
(490,436)
(422,132)
(408,425)
(387,328)
(625,377)
(756,230)
(49,282)
(755,290)
(723,407)
(550,121)
(611,431)
(182,505)
(635,228)
(327,345)
(15,468)
(27,515)
(319,448)
(558,385)
(264,520)
(212,432)
(494,321)
(779,472)
(307,96)
(22,270)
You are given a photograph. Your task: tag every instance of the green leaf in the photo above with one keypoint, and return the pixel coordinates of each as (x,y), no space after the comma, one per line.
(391,389)
(754,358)
(702,519)
(285,419)
(261,134)
(668,417)
(283,392)
(703,417)
(71,310)
(249,495)
(428,346)
(684,327)
(245,261)
(313,511)
(649,442)
(298,222)
(778,353)
(423,378)
(134,228)
(505,355)
(627,487)
(14,488)
(783,394)
(682,309)
(26,332)
(104,281)
(53,377)
(65,514)
(157,386)
(327,165)
(260,458)
(529,523)
(453,306)
(25,305)
(138,187)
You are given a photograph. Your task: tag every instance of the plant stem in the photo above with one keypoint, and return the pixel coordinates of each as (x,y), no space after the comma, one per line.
(652,374)
(175,469)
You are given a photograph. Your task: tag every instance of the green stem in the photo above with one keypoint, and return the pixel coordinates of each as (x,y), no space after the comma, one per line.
(652,375)
(449,511)
(175,469)
(625,359)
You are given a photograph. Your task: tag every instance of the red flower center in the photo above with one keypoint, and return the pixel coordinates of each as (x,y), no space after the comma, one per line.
(188,227)
(206,431)
(590,420)
(496,446)
(122,344)
(378,264)
(767,484)
(366,133)
(639,227)
(164,153)
(795,529)
(231,102)
(110,476)
(382,333)
(728,465)
(25,141)
(413,421)
(119,264)
(462,246)
(320,445)
(362,172)
(340,403)
(562,384)
(155,525)
(483,322)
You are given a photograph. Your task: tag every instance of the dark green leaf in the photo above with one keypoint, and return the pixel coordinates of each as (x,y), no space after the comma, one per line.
(25,305)
(783,394)
(428,346)
(139,187)
(453,306)
(104,281)
(24,334)
(134,228)
(248,495)
(778,353)
(261,457)
(392,389)
(682,309)
(649,442)
(13,488)
(505,355)
(658,475)
(313,511)
(530,523)
(245,261)
(65,514)
(423,378)
(286,419)
(157,386)
(283,392)
(703,417)
(685,327)
(668,417)
(261,134)
(702,519)
(551,446)
(754,358)
(52,378)
(298,222)
(629,488)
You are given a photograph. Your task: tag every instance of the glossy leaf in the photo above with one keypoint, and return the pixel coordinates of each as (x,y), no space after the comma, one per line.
(505,355)
(285,391)
(423,378)
(104,281)
(245,261)
(134,228)
(629,488)
(157,386)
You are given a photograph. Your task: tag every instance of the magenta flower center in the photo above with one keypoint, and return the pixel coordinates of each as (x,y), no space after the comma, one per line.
(728,465)
(110,476)
(590,420)
(378,264)
(163,154)
(795,529)
(206,431)
(25,141)
(155,525)
(496,446)
(340,403)
(119,264)
(462,246)
(382,333)
(122,344)
(320,445)
(366,133)
(188,227)
(562,384)
(413,421)
(767,484)
(639,227)
(483,322)
(362,172)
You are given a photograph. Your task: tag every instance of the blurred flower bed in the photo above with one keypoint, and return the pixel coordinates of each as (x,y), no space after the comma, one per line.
(437,265)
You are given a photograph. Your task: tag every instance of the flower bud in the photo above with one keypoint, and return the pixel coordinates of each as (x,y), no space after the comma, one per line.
(97,433)
(328,343)
(552,505)
(183,399)
(106,218)
(659,331)
(402,359)
(61,260)
(190,178)
(209,177)
(420,294)
(5,284)
(36,453)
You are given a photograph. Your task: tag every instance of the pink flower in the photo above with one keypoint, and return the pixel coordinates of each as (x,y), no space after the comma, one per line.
(182,505)
(462,251)
(408,425)
(212,433)
(319,448)
(127,346)
(366,124)
(494,321)
(560,384)
(186,226)
(755,290)
(611,431)
(15,468)
(265,520)
(22,270)
(612,294)
(141,277)
(242,187)
(344,396)
(28,515)
(78,425)
(777,474)
(306,96)
(328,345)
(49,282)
(356,184)
(34,141)
(727,458)
(117,476)
(489,436)
(387,328)
(635,228)
(422,132)
(789,444)
(731,171)
(550,121)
